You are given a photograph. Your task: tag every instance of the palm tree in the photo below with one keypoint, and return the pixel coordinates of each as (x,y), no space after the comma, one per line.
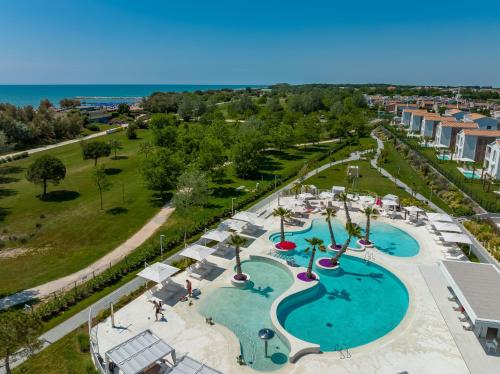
(296,188)
(330,213)
(352,230)
(237,241)
(283,213)
(369,213)
(344,198)
(316,244)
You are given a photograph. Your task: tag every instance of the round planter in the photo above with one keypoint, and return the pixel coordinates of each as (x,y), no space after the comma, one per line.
(240,283)
(303,277)
(325,264)
(286,252)
(362,243)
(337,248)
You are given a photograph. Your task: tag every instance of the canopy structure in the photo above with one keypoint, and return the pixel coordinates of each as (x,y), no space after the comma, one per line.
(188,365)
(158,272)
(197,252)
(138,353)
(309,188)
(306,196)
(249,217)
(455,238)
(439,217)
(326,195)
(413,209)
(337,189)
(367,199)
(476,286)
(217,235)
(391,197)
(233,224)
(465,159)
(386,202)
(446,226)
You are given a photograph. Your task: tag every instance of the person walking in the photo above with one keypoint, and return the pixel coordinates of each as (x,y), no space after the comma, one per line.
(189,288)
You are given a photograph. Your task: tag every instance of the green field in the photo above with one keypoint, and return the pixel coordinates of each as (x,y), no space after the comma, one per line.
(370,180)
(398,167)
(68,231)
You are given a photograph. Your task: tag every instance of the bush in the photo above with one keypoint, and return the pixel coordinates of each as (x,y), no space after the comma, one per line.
(93,127)
(83,342)
(131,132)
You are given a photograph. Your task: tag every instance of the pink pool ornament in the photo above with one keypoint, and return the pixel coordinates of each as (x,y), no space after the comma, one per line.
(285,246)
(303,277)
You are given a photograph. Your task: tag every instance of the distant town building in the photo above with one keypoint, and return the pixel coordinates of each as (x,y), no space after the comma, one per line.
(484,122)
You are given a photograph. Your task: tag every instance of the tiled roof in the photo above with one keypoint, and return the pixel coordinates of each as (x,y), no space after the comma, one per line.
(460,125)
(474,116)
(453,111)
(484,133)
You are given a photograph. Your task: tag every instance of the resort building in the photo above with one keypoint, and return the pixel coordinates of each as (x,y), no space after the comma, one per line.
(492,160)
(457,114)
(471,143)
(484,122)
(429,123)
(416,120)
(447,130)
(406,115)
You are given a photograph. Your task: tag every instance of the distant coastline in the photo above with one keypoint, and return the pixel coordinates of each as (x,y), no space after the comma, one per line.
(21,95)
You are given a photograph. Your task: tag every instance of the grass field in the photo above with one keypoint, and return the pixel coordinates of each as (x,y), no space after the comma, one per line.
(64,356)
(370,180)
(59,236)
(399,168)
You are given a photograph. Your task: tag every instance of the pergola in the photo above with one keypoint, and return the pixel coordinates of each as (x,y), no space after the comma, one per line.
(249,217)
(456,238)
(197,252)
(158,272)
(217,235)
(439,217)
(446,226)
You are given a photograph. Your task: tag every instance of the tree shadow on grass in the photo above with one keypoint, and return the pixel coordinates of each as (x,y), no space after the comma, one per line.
(5,170)
(117,210)
(4,212)
(158,201)
(268,164)
(282,155)
(112,171)
(5,180)
(224,192)
(60,196)
(6,192)
(120,158)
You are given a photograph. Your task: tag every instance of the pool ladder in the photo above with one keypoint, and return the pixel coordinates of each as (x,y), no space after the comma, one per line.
(343,351)
(369,256)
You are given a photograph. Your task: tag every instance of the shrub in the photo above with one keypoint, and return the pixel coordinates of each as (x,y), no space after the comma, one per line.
(131,132)
(93,127)
(83,342)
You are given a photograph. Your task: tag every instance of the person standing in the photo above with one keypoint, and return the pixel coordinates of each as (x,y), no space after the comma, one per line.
(189,288)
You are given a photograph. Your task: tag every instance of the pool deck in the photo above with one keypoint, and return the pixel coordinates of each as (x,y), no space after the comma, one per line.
(426,341)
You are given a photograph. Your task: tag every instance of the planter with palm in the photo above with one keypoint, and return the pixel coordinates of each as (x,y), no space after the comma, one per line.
(237,242)
(315,244)
(329,214)
(283,213)
(370,213)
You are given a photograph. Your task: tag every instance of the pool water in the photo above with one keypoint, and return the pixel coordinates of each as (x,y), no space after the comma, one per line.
(471,175)
(246,311)
(443,157)
(386,238)
(354,306)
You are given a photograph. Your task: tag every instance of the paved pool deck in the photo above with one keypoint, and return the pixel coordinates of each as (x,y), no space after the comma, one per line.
(422,343)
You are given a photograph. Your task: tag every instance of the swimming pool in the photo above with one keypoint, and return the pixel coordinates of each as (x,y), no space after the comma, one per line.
(353,306)
(443,157)
(471,175)
(386,238)
(247,310)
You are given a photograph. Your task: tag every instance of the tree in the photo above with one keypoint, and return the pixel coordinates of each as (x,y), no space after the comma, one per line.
(353,230)
(369,213)
(345,198)
(46,169)
(94,150)
(237,242)
(160,171)
(101,180)
(115,145)
(192,189)
(331,213)
(145,148)
(315,244)
(283,213)
(131,131)
(123,108)
(69,103)
(18,330)
(211,157)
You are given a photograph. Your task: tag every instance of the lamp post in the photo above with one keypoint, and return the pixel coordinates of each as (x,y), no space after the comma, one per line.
(266,334)
(275,182)
(161,245)
(232,205)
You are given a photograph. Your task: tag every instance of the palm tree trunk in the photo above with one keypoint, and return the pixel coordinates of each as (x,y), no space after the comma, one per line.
(282,224)
(343,250)
(238,263)
(332,236)
(367,233)
(7,363)
(311,262)
(348,217)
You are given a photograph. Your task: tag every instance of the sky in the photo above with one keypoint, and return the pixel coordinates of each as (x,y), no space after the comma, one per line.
(437,42)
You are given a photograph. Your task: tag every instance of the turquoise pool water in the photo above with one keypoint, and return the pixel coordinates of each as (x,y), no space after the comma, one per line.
(443,157)
(387,238)
(246,311)
(471,175)
(354,306)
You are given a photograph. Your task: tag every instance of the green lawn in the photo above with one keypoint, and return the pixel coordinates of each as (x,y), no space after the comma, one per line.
(370,180)
(399,168)
(57,237)
(64,356)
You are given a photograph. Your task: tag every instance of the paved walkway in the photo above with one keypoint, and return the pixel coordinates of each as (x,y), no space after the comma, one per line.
(97,267)
(56,145)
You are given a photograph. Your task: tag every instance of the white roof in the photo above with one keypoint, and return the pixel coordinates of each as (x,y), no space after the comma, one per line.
(306,195)
(250,217)
(197,252)
(367,199)
(439,217)
(336,189)
(233,224)
(188,365)
(446,226)
(391,197)
(139,352)
(158,272)
(413,209)
(456,238)
(465,159)
(217,235)
(326,195)
(386,202)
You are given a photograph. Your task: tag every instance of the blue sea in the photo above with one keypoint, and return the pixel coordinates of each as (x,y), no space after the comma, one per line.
(21,95)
